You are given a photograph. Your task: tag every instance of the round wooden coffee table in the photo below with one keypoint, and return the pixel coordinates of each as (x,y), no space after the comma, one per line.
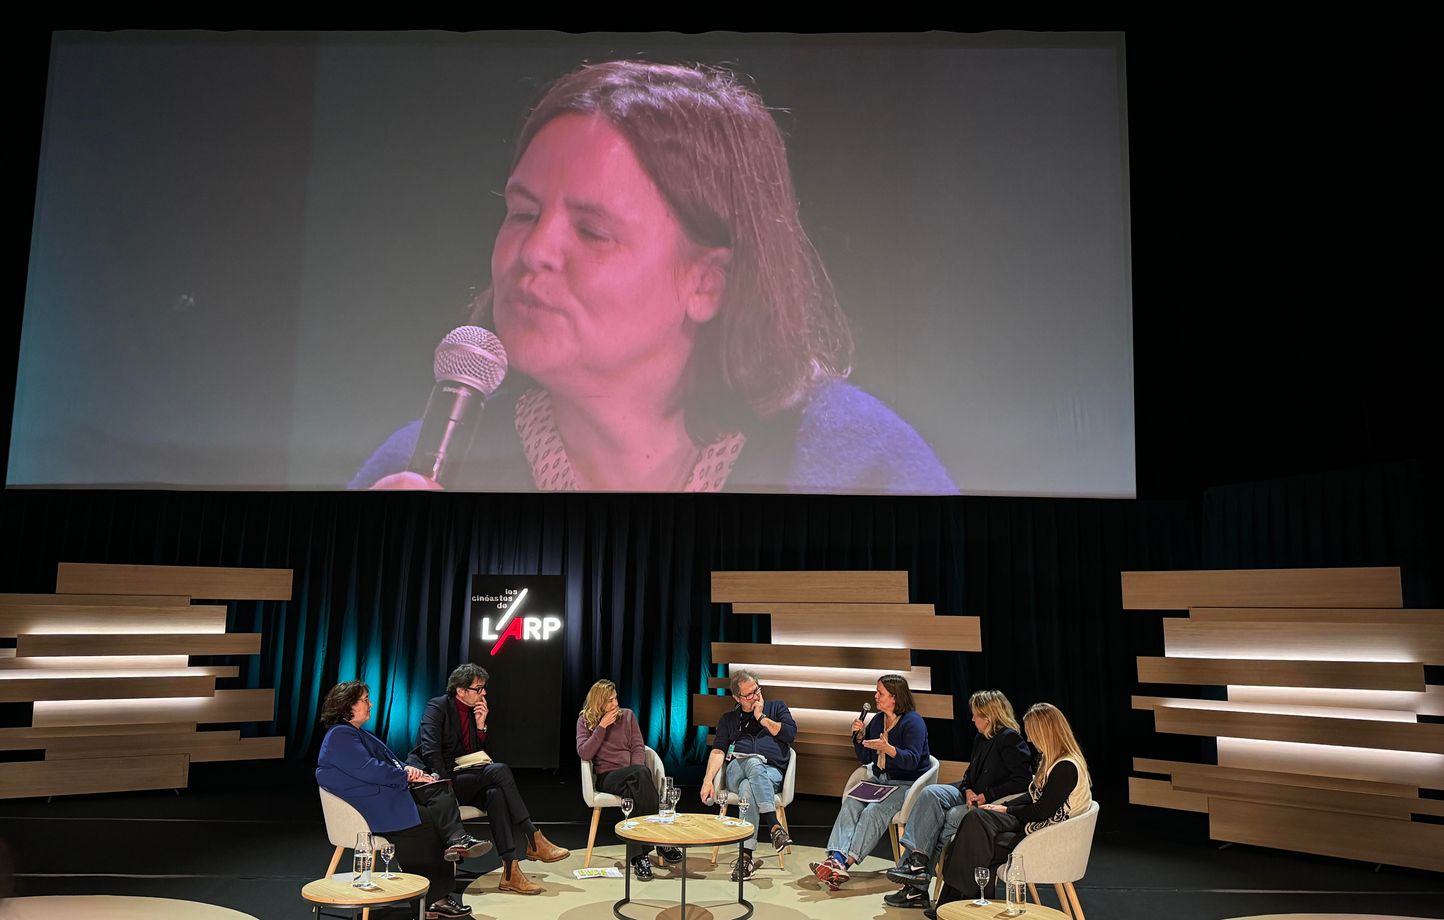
(967,910)
(336,891)
(688,830)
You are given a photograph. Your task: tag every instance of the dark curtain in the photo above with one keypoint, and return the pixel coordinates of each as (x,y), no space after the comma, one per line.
(382,586)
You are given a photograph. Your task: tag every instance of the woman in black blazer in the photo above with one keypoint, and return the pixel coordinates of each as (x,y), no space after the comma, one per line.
(1001,765)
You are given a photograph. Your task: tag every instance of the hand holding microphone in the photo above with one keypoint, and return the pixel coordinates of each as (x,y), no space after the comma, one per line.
(858,723)
(469,366)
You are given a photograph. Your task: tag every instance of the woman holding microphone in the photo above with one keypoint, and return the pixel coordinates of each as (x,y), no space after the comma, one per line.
(894,749)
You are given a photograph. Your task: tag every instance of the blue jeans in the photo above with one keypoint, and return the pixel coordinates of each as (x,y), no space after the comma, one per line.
(934,820)
(762,781)
(860,825)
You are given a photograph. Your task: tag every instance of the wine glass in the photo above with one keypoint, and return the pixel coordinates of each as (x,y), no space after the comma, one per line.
(675,797)
(744,803)
(388,852)
(980,875)
(627,810)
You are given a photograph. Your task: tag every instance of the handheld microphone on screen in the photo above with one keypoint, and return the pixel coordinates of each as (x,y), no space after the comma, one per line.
(862,713)
(470,364)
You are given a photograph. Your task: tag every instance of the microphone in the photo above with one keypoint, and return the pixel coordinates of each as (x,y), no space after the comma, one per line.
(866,708)
(470,364)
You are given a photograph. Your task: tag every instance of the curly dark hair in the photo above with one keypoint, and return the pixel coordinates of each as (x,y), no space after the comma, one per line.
(341,700)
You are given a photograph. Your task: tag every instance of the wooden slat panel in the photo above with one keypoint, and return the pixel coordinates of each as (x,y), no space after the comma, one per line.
(94,600)
(76,777)
(202,747)
(270,747)
(1161,794)
(1373,675)
(35,739)
(30,645)
(1356,803)
(1372,839)
(824,776)
(19,687)
(1376,616)
(225,706)
(812,656)
(944,633)
(951,771)
(78,748)
(1397,736)
(930,705)
(836,609)
(1303,641)
(59,618)
(84,664)
(813,587)
(1225,774)
(210,582)
(781,677)
(1428,703)
(1341,587)
(1403,767)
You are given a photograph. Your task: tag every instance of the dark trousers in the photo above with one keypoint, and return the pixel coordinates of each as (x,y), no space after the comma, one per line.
(491,787)
(984,838)
(634,781)
(420,849)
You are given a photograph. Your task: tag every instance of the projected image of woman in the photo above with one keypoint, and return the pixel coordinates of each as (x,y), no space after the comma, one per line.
(668,323)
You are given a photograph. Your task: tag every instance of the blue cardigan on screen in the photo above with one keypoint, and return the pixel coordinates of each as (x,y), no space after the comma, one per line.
(359,768)
(841,440)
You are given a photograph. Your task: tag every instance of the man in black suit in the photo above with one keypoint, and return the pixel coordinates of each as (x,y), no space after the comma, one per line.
(453,726)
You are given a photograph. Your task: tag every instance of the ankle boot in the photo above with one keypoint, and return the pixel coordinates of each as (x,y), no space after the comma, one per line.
(515,880)
(543,850)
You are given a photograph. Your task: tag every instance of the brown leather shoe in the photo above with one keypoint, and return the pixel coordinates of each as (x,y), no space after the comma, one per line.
(515,881)
(543,850)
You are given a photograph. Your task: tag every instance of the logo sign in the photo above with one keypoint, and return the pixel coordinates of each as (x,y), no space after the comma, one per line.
(519,634)
(515,623)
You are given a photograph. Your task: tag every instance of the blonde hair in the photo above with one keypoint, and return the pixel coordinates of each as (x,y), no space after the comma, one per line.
(596,703)
(993,706)
(1051,735)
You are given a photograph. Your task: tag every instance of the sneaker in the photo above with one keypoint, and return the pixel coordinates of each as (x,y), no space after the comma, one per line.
(780,840)
(447,907)
(670,855)
(907,896)
(745,867)
(642,868)
(913,870)
(467,847)
(830,872)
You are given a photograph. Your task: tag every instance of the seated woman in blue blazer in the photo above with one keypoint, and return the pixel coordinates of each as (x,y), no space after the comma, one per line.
(894,748)
(400,802)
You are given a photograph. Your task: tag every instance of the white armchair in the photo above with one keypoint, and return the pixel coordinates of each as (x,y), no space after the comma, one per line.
(900,820)
(783,799)
(596,801)
(343,823)
(1058,854)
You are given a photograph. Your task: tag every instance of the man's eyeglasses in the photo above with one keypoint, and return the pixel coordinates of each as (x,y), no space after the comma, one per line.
(474,689)
(749,696)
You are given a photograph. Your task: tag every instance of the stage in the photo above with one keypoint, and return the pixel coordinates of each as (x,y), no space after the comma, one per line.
(248,836)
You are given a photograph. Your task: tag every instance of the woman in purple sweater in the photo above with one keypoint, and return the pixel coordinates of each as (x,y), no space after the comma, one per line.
(608,736)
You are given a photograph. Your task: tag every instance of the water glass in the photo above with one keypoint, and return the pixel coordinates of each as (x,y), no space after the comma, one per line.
(387,852)
(668,797)
(1017,886)
(981,875)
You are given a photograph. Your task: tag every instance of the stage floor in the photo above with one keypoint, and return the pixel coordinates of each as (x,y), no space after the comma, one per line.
(248,836)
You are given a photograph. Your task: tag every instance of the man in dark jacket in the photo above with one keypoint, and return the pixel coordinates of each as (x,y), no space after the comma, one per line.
(454,726)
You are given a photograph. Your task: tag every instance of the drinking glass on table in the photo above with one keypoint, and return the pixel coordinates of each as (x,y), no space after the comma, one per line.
(669,788)
(627,810)
(387,852)
(980,875)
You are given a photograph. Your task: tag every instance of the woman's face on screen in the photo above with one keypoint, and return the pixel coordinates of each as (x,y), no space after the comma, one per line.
(595,281)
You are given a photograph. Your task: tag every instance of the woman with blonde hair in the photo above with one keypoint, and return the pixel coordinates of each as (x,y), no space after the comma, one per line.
(1061,789)
(1001,765)
(610,738)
